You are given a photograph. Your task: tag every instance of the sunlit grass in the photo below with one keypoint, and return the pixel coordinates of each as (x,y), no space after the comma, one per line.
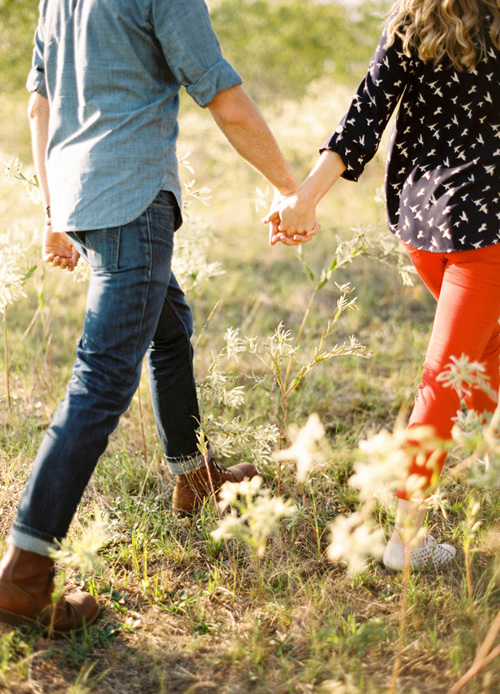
(183,612)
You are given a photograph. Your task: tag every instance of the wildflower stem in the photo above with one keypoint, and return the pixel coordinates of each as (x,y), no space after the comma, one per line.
(46,385)
(489,640)
(475,668)
(468,577)
(6,353)
(212,489)
(141,426)
(403,618)
(282,431)
(489,433)
(313,524)
(299,335)
(210,316)
(279,474)
(260,581)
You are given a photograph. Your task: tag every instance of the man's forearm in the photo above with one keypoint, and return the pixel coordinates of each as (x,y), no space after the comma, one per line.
(38,114)
(242,123)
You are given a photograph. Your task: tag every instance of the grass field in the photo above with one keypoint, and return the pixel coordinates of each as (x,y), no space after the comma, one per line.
(184,612)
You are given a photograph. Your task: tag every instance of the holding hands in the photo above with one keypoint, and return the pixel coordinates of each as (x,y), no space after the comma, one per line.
(292,218)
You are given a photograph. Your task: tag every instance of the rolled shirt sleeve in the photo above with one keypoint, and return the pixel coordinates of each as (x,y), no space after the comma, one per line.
(191,48)
(36,77)
(112,72)
(357,137)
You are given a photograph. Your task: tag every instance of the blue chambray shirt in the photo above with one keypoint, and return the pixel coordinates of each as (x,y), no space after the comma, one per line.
(112,71)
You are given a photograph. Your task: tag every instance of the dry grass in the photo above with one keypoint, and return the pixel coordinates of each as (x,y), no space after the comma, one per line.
(178,615)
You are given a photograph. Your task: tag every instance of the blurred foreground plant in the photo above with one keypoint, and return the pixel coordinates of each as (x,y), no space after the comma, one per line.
(16,259)
(279,351)
(383,468)
(254,514)
(82,553)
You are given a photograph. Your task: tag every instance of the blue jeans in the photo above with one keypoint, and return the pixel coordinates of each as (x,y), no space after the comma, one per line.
(134,307)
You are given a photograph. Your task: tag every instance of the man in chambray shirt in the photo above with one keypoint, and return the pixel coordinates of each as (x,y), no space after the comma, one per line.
(103,115)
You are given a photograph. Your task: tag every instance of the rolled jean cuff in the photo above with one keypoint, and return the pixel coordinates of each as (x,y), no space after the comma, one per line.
(30,543)
(183,466)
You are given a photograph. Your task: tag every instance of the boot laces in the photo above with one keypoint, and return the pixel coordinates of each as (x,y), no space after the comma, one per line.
(218,466)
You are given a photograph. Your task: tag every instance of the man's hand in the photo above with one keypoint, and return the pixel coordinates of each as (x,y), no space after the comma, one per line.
(58,250)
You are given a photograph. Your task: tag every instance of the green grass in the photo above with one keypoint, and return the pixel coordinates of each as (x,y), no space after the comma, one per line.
(180,614)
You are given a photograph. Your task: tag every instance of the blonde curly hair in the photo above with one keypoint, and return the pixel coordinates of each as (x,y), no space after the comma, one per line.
(445,29)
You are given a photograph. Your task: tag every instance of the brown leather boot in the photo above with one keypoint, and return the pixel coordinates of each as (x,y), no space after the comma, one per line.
(26,586)
(191,489)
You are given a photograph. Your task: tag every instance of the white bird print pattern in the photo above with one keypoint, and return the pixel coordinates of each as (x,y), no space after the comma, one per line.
(442,168)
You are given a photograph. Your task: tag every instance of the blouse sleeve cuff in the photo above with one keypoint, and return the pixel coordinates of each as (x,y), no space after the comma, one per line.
(353,162)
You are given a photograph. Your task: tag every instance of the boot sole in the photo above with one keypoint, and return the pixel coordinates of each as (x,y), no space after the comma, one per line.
(17,620)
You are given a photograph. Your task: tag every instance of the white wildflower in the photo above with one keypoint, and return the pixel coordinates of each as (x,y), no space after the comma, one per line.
(227,526)
(359,240)
(191,193)
(34,194)
(11,283)
(267,512)
(464,375)
(234,435)
(190,261)
(263,517)
(184,161)
(379,196)
(264,439)
(261,200)
(230,491)
(304,448)
(11,169)
(354,539)
(386,462)
(280,345)
(254,516)
(234,344)
(217,384)
(82,272)
(387,457)
(338,687)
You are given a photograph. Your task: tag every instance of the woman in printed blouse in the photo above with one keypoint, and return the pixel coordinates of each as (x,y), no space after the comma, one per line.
(441,60)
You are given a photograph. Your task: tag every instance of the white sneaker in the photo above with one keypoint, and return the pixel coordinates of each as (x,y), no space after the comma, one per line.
(431,554)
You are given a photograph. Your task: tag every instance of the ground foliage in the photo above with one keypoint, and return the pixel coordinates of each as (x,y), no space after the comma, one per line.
(17,28)
(183,612)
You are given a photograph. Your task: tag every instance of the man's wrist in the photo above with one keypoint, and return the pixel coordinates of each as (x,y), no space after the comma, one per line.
(48,217)
(288,186)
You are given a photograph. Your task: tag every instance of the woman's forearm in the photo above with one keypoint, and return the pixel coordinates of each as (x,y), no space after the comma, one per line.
(326,171)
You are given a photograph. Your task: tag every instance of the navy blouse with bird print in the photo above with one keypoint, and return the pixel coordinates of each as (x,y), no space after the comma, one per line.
(443,164)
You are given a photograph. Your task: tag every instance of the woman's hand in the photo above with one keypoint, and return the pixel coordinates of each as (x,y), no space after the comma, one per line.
(292,217)
(292,220)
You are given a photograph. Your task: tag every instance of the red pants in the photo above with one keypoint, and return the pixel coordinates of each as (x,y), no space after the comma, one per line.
(466,285)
